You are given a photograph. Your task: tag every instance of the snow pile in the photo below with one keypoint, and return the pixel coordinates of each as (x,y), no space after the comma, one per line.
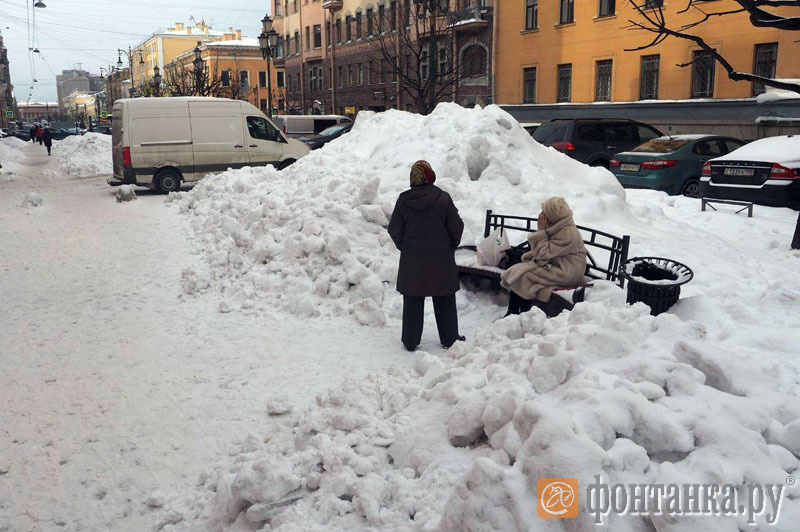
(85,155)
(459,443)
(125,193)
(313,238)
(12,157)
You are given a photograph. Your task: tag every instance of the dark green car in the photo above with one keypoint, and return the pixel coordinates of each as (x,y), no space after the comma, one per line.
(672,164)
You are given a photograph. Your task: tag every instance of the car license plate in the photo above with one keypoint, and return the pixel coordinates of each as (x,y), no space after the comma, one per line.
(625,167)
(742,172)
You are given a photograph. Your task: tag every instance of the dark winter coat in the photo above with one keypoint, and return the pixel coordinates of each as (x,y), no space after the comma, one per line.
(426,228)
(47,137)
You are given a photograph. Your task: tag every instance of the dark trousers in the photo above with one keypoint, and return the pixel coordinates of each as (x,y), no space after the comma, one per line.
(48,150)
(444,308)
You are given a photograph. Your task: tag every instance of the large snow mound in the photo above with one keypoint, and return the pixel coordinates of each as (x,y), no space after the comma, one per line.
(85,155)
(459,443)
(313,237)
(12,157)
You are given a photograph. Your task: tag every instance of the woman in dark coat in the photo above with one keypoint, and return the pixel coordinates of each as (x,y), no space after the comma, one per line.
(47,138)
(426,228)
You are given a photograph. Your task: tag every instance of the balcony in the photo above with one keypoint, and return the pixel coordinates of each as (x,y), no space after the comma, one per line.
(469,18)
(332,4)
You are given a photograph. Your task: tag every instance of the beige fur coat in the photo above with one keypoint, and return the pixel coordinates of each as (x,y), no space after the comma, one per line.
(557,258)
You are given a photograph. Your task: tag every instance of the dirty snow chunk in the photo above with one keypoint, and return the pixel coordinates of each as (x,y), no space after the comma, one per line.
(156,500)
(374,214)
(125,193)
(466,424)
(367,312)
(32,200)
(265,481)
(279,406)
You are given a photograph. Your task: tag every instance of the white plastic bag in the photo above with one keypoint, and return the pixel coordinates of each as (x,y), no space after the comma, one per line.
(492,248)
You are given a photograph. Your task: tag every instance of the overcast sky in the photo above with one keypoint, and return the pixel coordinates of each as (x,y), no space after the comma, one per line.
(69,32)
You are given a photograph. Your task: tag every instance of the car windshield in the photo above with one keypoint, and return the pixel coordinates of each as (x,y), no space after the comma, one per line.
(661,145)
(551,132)
(331,130)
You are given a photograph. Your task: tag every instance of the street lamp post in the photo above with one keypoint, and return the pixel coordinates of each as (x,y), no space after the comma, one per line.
(431,6)
(267,42)
(198,69)
(156,84)
(129,55)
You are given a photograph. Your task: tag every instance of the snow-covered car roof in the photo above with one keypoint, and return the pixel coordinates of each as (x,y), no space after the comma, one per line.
(784,149)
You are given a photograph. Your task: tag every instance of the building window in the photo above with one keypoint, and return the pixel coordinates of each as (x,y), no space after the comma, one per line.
(765,61)
(652,4)
(529,85)
(338,31)
(297,42)
(277,8)
(340,76)
(317,36)
(369,74)
(381,19)
(607,8)
(531,14)
(564,83)
(358,25)
(226,78)
(349,75)
(393,15)
(567,12)
(702,74)
(263,104)
(361,73)
(348,27)
(327,34)
(602,87)
(444,66)
(423,64)
(279,79)
(370,15)
(312,79)
(473,61)
(279,48)
(244,80)
(308,38)
(262,79)
(648,88)
(407,12)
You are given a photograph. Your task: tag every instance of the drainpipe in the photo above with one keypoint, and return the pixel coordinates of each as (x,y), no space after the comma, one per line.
(495,10)
(333,63)
(301,44)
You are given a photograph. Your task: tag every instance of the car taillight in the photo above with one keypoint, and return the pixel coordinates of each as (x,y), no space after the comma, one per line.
(613,163)
(126,158)
(563,146)
(781,172)
(658,165)
(706,170)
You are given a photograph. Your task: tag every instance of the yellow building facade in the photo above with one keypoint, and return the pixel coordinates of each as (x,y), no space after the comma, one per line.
(550,51)
(236,68)
(165,45)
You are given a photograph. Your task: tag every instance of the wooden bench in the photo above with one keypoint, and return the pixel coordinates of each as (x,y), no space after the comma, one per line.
(605,254)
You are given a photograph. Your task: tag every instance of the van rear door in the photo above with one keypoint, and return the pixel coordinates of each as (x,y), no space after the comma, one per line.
(265,145)
(218,136)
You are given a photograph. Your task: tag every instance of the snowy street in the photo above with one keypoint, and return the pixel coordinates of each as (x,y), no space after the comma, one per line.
(146,344)
(114,387)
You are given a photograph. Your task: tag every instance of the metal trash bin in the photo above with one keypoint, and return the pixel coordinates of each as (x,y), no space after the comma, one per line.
(655,281)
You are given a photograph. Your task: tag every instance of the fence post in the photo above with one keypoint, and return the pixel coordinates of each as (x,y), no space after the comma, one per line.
(796,239)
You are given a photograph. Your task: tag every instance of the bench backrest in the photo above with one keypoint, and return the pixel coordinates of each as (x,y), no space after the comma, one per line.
(611,251)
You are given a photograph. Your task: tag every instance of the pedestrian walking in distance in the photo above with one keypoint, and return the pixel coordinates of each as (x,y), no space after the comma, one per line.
(426,228)
(39,134)
(47,138)
(33,134)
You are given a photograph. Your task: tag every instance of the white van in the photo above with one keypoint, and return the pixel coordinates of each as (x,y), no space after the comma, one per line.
(161,142)
(296,126)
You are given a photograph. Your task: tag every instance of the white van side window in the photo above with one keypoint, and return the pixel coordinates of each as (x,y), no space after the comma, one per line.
(261,129)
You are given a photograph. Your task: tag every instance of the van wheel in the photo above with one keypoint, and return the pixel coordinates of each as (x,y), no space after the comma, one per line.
(168,180)
(285,164)
(691,189)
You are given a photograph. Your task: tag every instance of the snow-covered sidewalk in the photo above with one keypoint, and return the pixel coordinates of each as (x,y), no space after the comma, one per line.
(114,387)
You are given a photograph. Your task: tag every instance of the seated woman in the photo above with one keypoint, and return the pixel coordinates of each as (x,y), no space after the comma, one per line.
(557,258)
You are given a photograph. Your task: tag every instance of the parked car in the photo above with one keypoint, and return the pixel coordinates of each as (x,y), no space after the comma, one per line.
(296,126)
(326,135)
(20,134)
(161,142)
(594,140)
(766,171)
(3,132)
(672,164)
(530,127)
(64,132)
